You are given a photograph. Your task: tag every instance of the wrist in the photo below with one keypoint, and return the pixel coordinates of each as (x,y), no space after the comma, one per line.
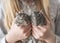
(9,39)
(51,39)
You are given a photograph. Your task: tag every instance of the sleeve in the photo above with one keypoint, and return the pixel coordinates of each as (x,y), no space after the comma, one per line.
(57,23)
(2,35)
(53,10)
(57,39)
(3,40)
(57,20)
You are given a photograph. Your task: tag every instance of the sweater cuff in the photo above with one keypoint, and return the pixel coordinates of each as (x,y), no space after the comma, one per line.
(3,40)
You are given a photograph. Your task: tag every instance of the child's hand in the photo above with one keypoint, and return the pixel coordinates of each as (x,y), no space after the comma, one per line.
(18,33)
(44,33)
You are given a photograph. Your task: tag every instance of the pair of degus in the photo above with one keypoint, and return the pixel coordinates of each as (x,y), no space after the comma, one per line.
(36,18)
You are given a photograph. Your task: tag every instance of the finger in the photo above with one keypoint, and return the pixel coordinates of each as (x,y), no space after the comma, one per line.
(28,32)
(35,32)
(38,32)
(27,29)
(43,29)
(35,35)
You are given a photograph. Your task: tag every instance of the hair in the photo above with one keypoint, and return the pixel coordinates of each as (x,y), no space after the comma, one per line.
(12,6)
